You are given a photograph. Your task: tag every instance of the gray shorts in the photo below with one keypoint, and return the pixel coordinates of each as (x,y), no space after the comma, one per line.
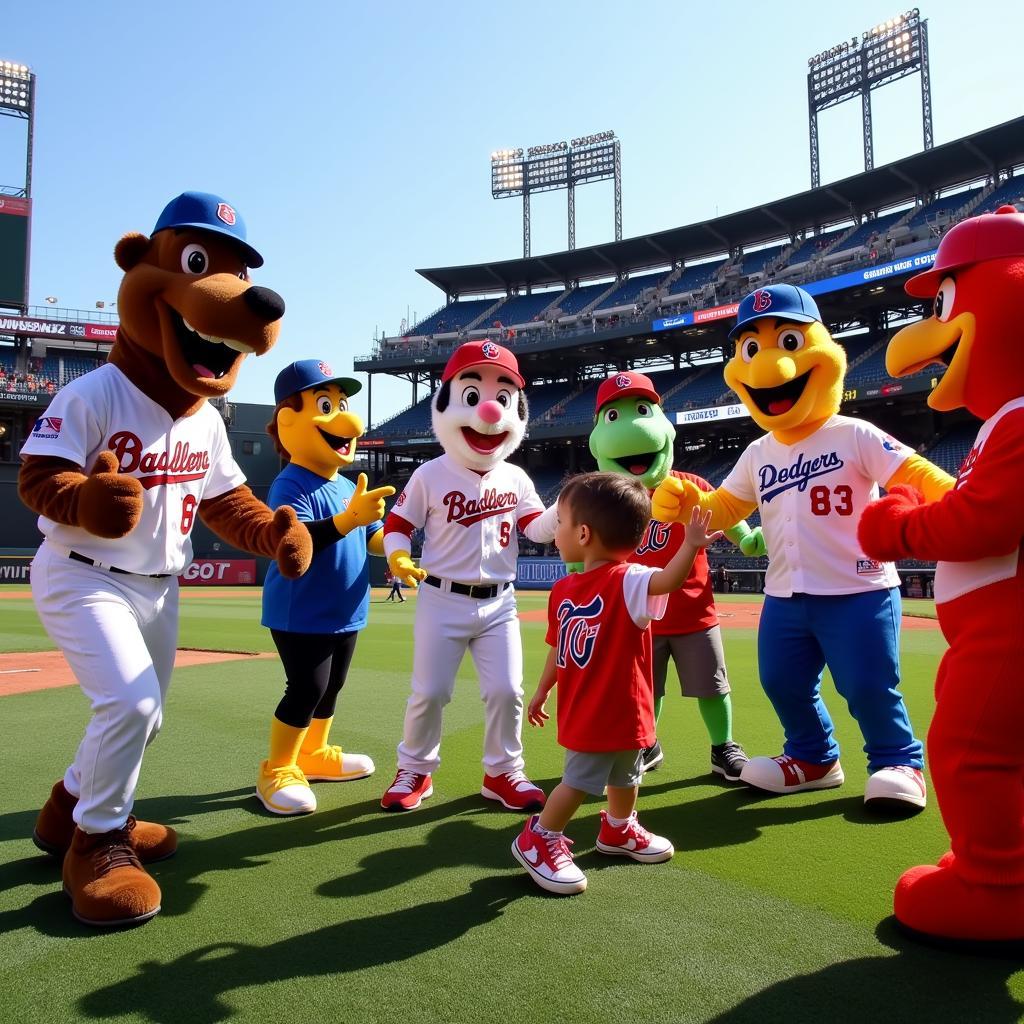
(700,663)
(591,772)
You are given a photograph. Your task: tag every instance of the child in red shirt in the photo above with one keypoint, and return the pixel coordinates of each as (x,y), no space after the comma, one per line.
(600,658)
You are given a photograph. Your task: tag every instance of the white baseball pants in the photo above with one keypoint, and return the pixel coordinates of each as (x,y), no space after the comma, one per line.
(119,634)
(446,625)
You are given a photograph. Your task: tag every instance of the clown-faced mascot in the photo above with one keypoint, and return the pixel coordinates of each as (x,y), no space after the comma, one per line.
(826,602)
(124,461)
(470,504)
(632,436)
(975,746)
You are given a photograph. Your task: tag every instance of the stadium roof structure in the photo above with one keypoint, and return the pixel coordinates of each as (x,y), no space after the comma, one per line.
(960,161)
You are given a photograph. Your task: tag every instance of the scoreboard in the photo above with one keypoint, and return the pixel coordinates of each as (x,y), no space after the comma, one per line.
(15,216)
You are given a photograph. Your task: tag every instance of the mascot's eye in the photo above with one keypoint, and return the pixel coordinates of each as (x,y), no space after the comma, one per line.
(749,348)
(342,405)
(471,396)
(194,259)
(611,415)
(643,409)
(324,405)
(944,299)
(791,341)
(504,399)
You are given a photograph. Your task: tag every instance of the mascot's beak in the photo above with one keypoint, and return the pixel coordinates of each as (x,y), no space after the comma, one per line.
(935,342)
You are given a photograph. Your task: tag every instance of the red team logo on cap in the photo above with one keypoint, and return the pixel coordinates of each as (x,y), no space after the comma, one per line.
(324,369)
(622,381)
(490,350)
(762,300)
(227,214)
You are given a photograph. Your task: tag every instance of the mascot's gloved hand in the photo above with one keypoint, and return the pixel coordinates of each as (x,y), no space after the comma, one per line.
(753,545)
(880,530)
(364,507)
(109,503)
(403,568)
(673,500)
(290,541)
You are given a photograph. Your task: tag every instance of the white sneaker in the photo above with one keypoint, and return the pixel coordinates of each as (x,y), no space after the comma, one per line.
(785,774)
(284,790)
(546,857)
(896,788)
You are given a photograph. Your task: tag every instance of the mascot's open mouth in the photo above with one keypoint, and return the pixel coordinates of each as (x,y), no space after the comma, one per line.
(779,400)
(483,443)
(946,356)
(637,464)
(208,356)
(340,444)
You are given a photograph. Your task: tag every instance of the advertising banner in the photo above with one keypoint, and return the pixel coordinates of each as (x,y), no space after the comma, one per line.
(718,412)
(220,572)
(41,328)
(538,573)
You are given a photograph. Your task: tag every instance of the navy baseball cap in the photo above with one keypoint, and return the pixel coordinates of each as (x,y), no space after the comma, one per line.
(784,301)
(308,373)
(207,212)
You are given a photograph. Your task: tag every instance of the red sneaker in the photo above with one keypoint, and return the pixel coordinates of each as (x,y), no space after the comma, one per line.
(407,791)
(514,791)
(546,856)
(633,840)
(785,774)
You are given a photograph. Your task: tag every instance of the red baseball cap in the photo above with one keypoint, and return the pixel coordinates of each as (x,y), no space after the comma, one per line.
(622,385)
(991,236)
(478,353)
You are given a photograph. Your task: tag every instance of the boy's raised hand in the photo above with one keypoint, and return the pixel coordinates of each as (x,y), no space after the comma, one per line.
(697,528)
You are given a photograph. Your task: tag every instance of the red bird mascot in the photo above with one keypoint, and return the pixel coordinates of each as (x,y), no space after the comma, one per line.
(976,740)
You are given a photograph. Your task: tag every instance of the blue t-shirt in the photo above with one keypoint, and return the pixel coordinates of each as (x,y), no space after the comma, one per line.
(333,596)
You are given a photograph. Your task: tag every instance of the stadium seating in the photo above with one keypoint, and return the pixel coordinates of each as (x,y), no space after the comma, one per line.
(1011,191)
(629,291)
(813,245)
(579,299)
(756,261)
(950,450)
(869,229)
(695,276)
(940,210)
(453,317)
(521,309)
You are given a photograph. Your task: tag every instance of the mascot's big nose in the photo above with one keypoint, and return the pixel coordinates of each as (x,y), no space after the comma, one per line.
(490,412)
(265,303)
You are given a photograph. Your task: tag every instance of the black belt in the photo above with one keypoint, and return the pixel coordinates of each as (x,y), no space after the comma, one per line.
(75,556)
(469,590)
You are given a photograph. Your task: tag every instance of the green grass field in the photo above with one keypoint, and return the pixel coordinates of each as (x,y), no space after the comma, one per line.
(772,909)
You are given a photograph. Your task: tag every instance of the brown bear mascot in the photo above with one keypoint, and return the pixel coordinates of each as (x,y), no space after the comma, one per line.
(119,467)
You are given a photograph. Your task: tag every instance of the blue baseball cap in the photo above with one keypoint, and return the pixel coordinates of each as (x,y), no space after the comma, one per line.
(207,212)
(308,373)
(784,301)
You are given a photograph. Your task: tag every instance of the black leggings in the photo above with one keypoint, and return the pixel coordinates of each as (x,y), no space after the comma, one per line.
(315,666)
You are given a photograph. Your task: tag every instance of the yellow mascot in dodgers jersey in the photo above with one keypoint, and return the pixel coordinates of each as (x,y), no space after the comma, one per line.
(470,503)
(826,602)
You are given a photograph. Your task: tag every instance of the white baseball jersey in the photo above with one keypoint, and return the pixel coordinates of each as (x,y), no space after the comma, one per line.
(470,519)
(178,462)
(810,496)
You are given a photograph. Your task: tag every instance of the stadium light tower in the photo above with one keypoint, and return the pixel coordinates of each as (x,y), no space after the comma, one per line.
(17,100)
(892,50)
(558,165)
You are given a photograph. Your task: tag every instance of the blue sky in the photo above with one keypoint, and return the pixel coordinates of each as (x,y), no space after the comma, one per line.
(355,140)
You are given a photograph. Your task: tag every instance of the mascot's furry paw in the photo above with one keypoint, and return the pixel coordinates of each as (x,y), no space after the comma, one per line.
(938,903)
(292,544)
(880,530)
(673,500)
(753,545)
(109,503)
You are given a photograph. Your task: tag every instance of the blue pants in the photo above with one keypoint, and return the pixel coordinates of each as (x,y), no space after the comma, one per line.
(857,636)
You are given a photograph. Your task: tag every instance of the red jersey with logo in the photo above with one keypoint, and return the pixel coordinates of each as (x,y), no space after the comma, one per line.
(599,626)
(469,520)
(178,462)
(691,609)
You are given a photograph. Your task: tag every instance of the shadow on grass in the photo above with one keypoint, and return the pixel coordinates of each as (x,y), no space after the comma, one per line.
(918,984)
(192,986)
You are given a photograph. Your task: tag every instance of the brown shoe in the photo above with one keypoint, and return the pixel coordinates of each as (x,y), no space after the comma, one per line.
(106,882)
(55,826)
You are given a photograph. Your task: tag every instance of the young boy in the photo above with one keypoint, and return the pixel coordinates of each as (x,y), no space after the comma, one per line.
(601,660)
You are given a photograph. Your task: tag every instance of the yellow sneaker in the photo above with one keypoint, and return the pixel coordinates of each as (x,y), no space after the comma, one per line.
(284,790)
(332,764)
